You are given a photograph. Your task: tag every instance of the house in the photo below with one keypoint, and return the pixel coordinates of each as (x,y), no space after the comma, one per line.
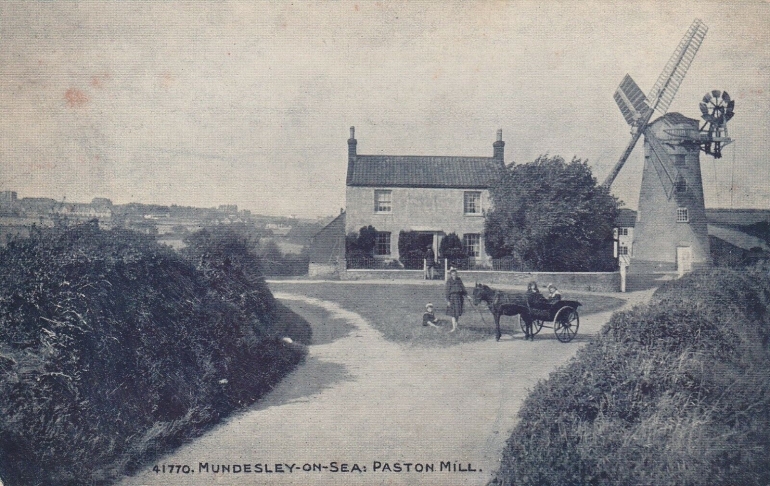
(326,252)
(624,232)
(430,195)
(733,233)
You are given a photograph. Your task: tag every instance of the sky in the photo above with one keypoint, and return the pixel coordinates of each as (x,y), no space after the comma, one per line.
(250,103)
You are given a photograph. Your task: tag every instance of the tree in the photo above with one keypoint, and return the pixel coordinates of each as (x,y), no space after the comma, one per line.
(363,243)
(410,249)
(550,215)
(452,247)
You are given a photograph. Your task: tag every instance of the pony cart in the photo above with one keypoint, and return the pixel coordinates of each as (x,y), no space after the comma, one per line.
(535,312)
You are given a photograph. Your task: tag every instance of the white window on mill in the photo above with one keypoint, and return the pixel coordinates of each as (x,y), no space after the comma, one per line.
(682,216)
(383,201)
(472,202)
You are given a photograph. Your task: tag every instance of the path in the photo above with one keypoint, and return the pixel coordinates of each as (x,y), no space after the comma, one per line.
(362,400)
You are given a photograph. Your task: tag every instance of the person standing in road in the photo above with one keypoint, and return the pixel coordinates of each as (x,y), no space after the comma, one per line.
(455,295)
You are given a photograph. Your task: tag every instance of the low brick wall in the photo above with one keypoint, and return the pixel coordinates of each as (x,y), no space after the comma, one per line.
(381,275)
(318,270)
(583,281)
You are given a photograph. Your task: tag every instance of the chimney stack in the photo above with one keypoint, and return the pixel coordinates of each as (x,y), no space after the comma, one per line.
(352,143)
(499,147)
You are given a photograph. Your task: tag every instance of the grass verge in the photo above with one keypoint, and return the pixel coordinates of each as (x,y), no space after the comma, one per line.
(396,310)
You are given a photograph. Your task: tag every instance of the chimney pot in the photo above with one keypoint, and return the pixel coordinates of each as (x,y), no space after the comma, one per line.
(499,147)
(352,144)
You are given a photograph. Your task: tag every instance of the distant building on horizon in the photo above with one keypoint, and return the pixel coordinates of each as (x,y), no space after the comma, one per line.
(8,198)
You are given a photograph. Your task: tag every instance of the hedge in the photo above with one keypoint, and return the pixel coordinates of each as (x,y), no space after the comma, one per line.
(114,348)
(673,392)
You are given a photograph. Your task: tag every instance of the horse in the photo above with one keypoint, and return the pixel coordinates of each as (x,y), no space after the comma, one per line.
(505,303)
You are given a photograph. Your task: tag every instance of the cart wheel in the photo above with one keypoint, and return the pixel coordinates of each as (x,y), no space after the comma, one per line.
(566,323)
(537,325)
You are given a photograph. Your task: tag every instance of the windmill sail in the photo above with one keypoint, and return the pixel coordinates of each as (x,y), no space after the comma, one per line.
(662,93)
(637,110)
(662,163)
(631,101)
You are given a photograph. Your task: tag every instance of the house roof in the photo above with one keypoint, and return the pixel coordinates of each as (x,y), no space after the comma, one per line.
(737,238)
(737,216)
(328,242)
(422,171)
(626,218)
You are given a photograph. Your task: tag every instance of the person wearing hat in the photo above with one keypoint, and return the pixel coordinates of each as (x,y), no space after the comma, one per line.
(429,318)
(455,294)
(553,294)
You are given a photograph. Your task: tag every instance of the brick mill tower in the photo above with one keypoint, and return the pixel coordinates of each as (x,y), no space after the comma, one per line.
(671,232)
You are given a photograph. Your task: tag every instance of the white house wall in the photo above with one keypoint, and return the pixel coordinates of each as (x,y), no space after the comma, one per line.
(415,209)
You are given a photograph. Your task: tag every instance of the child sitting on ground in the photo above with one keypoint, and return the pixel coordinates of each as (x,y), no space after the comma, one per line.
(429,318)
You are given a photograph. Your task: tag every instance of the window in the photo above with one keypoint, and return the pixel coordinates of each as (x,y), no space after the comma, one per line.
(472,202)
(679,160)
(472,244)
(623,250)
(682,216)
(382,243)
(622,231)
(681,185)
(382,201)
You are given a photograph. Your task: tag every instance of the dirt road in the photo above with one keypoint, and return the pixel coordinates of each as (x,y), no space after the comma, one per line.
(386,413)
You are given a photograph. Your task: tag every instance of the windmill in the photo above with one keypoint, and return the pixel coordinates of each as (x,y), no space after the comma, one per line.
(670,231)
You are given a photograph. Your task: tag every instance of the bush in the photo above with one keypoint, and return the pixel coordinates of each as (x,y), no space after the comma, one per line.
(113,347)
(452,247)
(673,392)
(411,252)
(361,244)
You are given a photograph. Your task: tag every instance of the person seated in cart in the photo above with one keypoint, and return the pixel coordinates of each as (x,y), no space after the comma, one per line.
(554,295)
(534,297)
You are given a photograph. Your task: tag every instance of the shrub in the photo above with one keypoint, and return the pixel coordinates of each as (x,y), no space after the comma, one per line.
(452,247)
(361,244)
(673,392)
(410,250)
(114,347)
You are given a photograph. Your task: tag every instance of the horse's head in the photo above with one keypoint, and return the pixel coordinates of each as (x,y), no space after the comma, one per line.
(481,292)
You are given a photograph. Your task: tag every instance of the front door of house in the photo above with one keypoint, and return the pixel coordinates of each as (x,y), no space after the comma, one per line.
(426,240)
(683,259)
